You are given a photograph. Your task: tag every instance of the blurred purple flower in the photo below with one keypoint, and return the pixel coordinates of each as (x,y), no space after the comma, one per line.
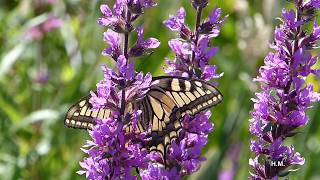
(286,95)
(232,159)
(42,76)
(50,24)
(226,175)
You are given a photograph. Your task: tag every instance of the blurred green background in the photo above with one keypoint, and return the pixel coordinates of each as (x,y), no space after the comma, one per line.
(44,69)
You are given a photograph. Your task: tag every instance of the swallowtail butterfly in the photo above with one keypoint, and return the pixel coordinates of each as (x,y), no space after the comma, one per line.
(163,108)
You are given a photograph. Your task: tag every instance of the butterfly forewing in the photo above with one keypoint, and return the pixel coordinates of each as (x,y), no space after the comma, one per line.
(190,96)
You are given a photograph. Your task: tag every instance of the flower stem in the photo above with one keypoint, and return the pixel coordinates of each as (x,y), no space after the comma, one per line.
(126,35)
(196,31)
(295,48)
(125,53)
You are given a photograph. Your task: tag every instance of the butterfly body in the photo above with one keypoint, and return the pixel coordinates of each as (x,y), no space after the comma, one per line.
(163,108)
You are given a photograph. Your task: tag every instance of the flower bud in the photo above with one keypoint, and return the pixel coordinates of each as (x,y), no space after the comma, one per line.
(185,33)
(121,27)
(135,8)
(136,51)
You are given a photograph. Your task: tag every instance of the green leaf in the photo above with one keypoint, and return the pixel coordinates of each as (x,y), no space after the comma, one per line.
(10,58)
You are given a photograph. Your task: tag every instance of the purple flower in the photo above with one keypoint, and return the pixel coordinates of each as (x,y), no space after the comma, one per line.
(175,23)
(114,151)
(215,15)
(316,31)
(149,43)
(290,20)
(142,46)
(212,26)
(203,53)
(119,7)
(107,18)
(202,125)
(209,72)
(154,173)
(286,95)
(275,72)
(182,49)
(113,39)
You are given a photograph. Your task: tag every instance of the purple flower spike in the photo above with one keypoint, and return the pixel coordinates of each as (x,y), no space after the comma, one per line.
(194,51)
(114,152)
(192,55)
(286,95)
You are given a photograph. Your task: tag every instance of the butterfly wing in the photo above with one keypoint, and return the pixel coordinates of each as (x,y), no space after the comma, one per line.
(169,99)
(81,116)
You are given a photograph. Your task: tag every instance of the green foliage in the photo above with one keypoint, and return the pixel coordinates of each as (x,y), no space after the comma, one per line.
(34,142)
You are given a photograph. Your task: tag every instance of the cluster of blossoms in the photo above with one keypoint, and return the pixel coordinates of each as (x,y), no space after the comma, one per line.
(192,55)
(192,49)
(286,95)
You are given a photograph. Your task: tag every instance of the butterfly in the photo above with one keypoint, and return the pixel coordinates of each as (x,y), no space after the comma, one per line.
(163,108)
